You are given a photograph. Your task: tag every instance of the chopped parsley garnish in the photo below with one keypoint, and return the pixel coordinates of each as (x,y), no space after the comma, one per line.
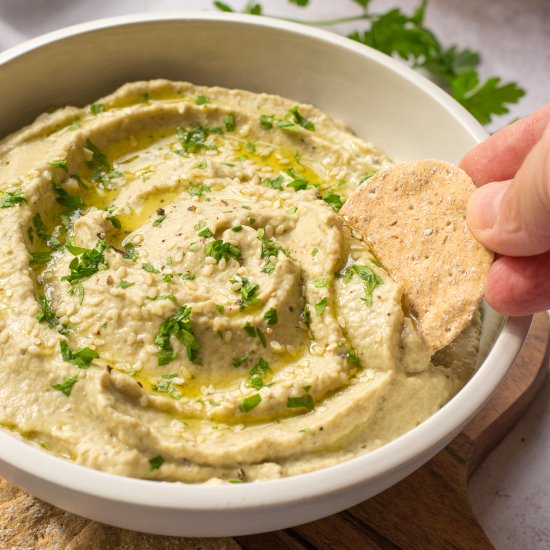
(187,276)
(82,357)
(238,361)
(64,198)
(102,171)
(40,258)
(73,126)
(130,252)
(303,402)
(229,123)
(59,164)
(166,386)
(248,292)
(294,118)
(170,297)
(321,305)
(219,249)
(269,248)
(275,183)
(253,332)
(149,268)
(115,222)
(371,279)
(124,284)
(300,119)
(180,326)
(203,230)
(202,100)
(168,277)
(67,385)
(298,184)
(89,263)
(220,308)
(250,146)
(249,403)
(156,462)
(320,283)
(10,199)
(159,220)
(193,140)
(257,373)
(266,121)
(270,316)
(198,189)
(203,165)
(334,200)
(314,252)
(46,313)
(237,228)
(97,108)
(352,358)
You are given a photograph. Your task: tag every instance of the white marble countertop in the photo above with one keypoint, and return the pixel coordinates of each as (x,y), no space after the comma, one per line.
(511,490)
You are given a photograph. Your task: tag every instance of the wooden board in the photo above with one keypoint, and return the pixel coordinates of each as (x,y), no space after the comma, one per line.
(429,509)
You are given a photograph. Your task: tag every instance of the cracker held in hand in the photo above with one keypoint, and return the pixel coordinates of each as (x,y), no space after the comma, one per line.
(414,216)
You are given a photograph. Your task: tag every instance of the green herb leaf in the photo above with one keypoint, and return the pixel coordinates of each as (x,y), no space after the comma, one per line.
(202,100)
(295,114)
(149,268)
(229,123)
(40,258)
(180,326)
(67,385)
(124,284)
(335,201)
(82,357)
(130,252)
(96,108)
(303,402)
(219,249)
(371,279)
(275,183)
(193,140)
(187,276)
(102,171)
(46,313)
(314,252)
(10,199)
(248,292)
(158,221)
(250,403)
(237,228)
(198,189)
(321,282)
(89,263)
(71,202)
(156,462)
(238,361)
(59,164)
(321,306)
(270,316)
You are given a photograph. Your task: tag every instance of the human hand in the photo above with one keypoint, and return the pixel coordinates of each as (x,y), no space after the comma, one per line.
(510,212)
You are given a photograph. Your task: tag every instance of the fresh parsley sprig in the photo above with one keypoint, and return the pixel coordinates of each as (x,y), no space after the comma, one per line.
(398,34)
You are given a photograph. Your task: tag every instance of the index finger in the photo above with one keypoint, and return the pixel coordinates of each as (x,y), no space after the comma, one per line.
(499,157)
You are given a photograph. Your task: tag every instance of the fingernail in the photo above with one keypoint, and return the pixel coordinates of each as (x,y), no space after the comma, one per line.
(483,206)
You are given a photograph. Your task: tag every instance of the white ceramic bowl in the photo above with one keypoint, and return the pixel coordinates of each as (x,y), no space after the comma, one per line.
(381,100)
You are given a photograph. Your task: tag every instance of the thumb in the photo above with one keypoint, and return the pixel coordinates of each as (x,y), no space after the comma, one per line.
(513,217)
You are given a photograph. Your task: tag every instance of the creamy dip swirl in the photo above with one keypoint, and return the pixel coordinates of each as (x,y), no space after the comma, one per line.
(181,300)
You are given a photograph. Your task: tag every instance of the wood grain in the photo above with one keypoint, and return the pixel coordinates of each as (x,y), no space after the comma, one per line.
(429,509)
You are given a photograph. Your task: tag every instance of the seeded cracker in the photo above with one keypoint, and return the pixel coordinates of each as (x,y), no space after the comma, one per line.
(414,216)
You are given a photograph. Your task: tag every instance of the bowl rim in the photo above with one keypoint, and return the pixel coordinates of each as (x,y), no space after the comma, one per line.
(17,455)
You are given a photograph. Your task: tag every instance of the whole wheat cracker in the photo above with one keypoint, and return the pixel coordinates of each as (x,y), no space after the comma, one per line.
(414,217)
